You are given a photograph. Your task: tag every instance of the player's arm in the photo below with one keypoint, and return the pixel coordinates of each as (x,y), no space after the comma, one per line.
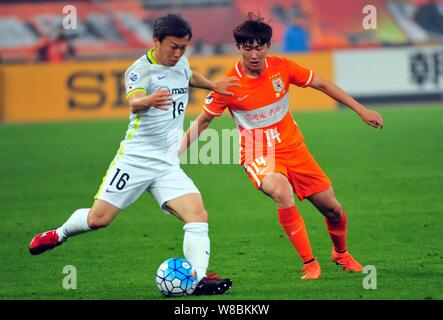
(370,117)
(160,99)
(221,86)
(194,131)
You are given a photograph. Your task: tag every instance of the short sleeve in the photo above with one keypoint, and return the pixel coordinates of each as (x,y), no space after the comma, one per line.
(136,80)
(215,104)
(299,75)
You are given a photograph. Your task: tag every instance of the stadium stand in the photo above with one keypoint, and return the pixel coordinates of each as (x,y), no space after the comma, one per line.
(15,33)
(116,29)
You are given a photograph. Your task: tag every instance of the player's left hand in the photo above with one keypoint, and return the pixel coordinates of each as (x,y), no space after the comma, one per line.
(372,118)
(226,83)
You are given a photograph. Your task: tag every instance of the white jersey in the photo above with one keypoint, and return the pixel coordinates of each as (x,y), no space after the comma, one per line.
(147,160)
(155,134)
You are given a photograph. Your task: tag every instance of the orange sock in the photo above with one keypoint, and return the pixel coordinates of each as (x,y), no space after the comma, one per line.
(337,232)
(294,226)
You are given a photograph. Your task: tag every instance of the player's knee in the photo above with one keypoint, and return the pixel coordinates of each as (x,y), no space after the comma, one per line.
(96,221)
(282,197)
(278,188)
(200,215)
(196,215)
(334,212)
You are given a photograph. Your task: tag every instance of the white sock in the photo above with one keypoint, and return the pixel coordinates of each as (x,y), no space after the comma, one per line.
(196,246)
(76,224)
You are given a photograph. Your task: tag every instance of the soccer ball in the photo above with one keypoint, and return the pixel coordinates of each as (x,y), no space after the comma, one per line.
(176,277)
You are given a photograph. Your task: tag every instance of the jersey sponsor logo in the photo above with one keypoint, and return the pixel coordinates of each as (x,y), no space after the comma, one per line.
(162,76)
(209,99)
(262,117)
(175,90)
(164,88)
(179,90)
(134,76)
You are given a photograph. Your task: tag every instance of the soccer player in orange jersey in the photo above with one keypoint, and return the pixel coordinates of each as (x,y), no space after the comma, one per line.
(273,152)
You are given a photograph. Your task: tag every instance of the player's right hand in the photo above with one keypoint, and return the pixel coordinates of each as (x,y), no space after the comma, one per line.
(160,99)
(372,118)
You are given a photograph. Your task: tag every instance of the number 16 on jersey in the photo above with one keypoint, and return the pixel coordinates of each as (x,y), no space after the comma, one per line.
(177,110)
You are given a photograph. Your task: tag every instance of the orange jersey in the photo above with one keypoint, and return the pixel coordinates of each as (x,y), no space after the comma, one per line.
(260,106)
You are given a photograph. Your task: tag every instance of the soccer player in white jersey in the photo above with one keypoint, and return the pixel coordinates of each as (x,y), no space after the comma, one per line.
(147,160)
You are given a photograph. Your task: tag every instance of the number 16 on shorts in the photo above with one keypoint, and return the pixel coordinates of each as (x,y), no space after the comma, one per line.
(122,186)
(117,180)
(120,179)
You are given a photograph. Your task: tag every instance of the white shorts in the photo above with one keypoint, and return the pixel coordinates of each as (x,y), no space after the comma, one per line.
(124,183)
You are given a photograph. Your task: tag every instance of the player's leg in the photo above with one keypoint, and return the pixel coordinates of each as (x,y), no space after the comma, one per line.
(335,218)
(121,186)
(81,221)
(277,186)
(196,244)
(310,182)
(189,208)
(177,194)
(336,223)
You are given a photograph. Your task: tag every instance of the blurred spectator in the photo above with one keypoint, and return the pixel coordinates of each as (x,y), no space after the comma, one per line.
(218,49)
(296,36)
(279,12)
(198,47)
(430,17)
(202,48)
(55,48)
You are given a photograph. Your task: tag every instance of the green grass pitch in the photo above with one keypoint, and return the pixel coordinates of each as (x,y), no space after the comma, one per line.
(390,183)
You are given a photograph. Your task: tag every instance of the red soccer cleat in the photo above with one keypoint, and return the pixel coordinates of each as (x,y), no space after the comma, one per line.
(212,285)
(44,241)
(311,270)
(346,261)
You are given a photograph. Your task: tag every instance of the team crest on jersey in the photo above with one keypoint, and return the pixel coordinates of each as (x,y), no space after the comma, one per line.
(278,84)
(209,99)
(134,76)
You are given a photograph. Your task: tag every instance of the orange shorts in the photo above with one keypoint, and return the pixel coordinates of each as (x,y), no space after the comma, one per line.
(298,165)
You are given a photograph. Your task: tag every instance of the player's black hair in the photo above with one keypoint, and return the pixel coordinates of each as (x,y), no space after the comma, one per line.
(171,25)
(254,28)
